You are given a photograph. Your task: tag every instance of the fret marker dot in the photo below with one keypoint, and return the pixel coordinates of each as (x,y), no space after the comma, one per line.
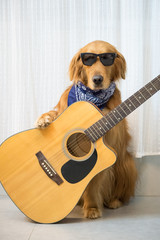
(150,88)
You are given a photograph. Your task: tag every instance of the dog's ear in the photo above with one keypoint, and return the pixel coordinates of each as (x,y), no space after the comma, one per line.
(119,67)
(76,71)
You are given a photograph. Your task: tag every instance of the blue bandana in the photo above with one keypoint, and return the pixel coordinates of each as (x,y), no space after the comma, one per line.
(79,92)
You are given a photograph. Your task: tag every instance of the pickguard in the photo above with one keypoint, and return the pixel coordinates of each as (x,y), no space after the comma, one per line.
(75,171)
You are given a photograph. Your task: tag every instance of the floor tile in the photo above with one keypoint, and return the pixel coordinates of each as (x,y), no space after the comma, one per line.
(139,220)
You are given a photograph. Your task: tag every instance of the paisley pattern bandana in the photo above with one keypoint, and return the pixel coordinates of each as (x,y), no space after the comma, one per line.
(79,92)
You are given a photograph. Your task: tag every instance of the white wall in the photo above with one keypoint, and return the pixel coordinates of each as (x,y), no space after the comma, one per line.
(149,176)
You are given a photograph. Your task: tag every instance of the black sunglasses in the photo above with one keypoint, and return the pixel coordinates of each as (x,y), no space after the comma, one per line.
(107,59)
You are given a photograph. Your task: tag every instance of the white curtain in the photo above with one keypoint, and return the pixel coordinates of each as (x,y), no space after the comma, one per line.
(38,38)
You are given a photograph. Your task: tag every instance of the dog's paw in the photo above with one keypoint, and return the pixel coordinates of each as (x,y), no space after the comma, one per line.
(115,204)
(92,213)
(43,121)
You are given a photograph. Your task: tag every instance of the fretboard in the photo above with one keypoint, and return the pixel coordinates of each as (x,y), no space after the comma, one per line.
(107,122)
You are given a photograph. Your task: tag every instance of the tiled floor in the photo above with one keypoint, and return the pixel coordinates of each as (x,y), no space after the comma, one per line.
(138,220)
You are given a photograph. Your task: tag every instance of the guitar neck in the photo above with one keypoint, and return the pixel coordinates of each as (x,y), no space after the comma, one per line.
(107,122)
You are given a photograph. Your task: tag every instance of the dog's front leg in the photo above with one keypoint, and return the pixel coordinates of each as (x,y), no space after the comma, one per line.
(45,119)
(92,198)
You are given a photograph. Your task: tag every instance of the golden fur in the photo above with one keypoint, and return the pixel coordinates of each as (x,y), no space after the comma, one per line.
(115,185)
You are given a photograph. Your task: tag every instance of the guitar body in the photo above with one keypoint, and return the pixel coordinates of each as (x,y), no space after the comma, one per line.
(46,171)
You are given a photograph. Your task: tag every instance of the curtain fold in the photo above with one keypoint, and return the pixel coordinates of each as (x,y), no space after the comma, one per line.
(39,38)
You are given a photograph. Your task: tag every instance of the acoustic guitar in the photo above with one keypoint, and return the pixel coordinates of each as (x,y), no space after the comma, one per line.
(46,171)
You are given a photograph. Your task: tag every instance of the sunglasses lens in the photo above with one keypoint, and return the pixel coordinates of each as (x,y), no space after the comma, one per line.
(107,58)
(88,59)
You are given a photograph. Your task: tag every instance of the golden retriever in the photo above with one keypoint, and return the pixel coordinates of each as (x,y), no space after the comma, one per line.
(115,185)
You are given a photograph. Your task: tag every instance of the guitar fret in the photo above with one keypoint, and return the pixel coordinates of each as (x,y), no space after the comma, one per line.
(148,91)
(142,96)
(118,119)
(138,98)
(107,122)
(132,104)
(112,116)
(135,100)
(92,133)
(100,128)
(122,110)
(89,134)
(156,83)
(111,119)
(117,116)
(102,125)
(127,106)
(152,88)
(96,131)
(118,112)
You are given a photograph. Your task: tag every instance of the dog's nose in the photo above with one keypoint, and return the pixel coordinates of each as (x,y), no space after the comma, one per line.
(97,79)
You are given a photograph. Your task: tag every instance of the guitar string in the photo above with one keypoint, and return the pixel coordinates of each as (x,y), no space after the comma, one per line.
(56,163)
(73,143)
(150,85)
(81,137)
(108,115)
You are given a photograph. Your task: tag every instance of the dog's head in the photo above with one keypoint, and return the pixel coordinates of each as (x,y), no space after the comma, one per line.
(97,75)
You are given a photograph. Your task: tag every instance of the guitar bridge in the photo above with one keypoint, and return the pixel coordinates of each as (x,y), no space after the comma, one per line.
(48,169)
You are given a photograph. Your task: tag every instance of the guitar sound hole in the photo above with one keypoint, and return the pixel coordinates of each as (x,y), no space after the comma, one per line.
(78,144)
